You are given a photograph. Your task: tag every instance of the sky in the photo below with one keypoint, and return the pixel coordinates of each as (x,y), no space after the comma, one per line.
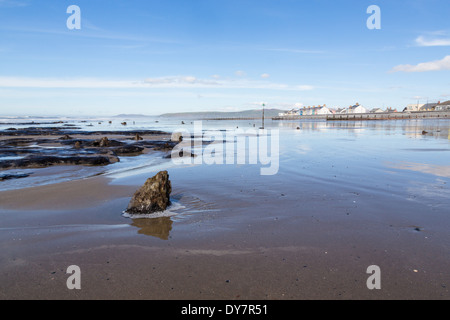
(157,56)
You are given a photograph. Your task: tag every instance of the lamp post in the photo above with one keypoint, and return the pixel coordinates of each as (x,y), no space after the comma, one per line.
(263,105)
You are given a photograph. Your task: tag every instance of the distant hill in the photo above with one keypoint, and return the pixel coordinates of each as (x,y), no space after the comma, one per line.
(131,115)
(256,114)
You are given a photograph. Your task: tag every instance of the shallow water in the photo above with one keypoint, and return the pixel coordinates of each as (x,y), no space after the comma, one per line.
(340,152)
(388,171)
(346,195)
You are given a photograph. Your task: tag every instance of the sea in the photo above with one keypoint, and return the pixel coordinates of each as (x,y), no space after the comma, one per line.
(358,150)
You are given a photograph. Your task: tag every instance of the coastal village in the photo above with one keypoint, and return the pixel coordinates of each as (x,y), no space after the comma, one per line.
(359,109)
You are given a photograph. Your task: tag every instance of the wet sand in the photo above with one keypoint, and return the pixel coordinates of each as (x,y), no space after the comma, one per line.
(254,246)
(234,234)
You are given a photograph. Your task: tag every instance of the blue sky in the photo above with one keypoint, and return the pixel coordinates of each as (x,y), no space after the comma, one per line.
(152,57)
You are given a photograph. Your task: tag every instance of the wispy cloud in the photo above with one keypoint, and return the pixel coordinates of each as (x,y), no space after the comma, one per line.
(27,82)
(13,3)
(438,65)
(432,42)
(91,31)
(238,83)
(161,82)
(291,50)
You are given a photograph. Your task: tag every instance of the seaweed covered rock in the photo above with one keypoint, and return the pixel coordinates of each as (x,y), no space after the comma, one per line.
(153,196)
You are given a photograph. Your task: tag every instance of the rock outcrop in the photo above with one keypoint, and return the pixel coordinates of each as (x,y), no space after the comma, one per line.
(153,196)
(37,147)
(47,161)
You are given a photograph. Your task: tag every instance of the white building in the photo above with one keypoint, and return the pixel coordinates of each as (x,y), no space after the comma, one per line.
(357,108)
(444,106)
(413,107)
(292,112)
(312,111)
(323,110)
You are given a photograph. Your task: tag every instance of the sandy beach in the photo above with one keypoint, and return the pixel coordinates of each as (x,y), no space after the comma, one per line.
(202,151)
(234,234)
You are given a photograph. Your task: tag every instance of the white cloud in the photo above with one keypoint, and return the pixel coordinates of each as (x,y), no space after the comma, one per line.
(305,87)
(179,81)
(265,76)
(240,73)
(423,42)
(437,65)
(149,83)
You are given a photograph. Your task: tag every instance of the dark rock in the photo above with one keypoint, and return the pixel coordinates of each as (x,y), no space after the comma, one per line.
(160,145)
(46,161)
(104,142)
(182,154)
(92,151)
(66,137)
(153,196)
(128,150)
(13,176)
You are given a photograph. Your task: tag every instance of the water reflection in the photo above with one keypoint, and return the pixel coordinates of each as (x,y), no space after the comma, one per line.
(437,170)
(419,129)
(155,227)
